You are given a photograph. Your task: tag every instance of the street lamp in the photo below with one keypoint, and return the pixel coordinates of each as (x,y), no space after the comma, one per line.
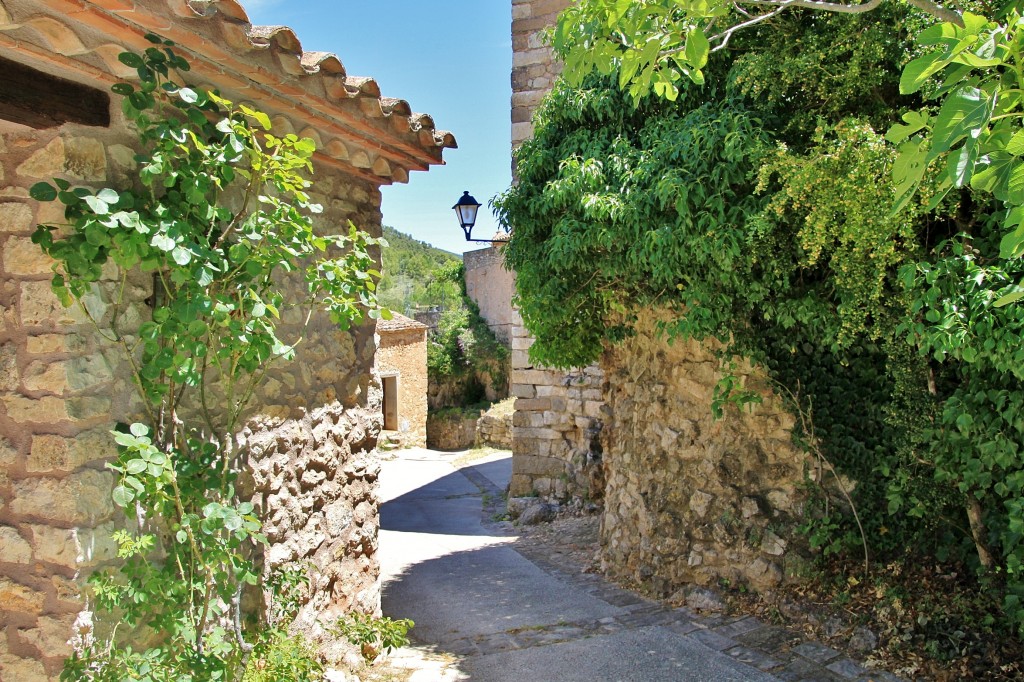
(466,209)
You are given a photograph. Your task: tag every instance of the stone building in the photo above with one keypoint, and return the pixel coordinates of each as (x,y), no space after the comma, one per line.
(316,421)
(401,362)
(686,498)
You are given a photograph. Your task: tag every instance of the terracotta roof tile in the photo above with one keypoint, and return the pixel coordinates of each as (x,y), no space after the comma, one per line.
(399,323)
(265,64)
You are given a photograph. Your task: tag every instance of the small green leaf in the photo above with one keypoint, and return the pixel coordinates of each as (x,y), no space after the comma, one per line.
(131,59)
(43,191)
(163,242)
(122,496)
(188,95)
(139,429)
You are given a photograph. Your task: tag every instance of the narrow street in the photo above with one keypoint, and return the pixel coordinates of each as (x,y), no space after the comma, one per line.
(500,616)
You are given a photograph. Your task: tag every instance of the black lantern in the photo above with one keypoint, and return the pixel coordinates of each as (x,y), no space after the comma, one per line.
(466,209)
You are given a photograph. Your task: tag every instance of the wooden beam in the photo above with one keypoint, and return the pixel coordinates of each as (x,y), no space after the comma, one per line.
(39,100)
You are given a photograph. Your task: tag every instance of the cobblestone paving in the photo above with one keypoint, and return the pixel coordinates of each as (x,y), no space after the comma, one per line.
(783,653)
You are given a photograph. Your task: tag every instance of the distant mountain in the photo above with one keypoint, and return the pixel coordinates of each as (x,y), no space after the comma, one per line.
(410,274)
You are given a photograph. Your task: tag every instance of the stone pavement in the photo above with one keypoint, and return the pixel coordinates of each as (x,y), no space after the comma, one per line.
(490,610)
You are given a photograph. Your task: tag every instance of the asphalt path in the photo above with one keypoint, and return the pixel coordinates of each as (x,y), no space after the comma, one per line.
(472,595)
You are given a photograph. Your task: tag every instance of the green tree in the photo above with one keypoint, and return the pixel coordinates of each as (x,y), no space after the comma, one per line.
(758,208)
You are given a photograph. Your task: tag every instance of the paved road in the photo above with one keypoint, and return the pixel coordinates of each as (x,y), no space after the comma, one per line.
(508,618)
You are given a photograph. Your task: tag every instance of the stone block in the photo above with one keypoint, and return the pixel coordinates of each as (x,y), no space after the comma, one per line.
(45,410)
(14,548)
(15,217)
(537,433)
(47,377)
(23,258)
(53,453)
(47,343)
(527,405)
(85,158)
(51,635)
(39,306)
(81,499)
(521,360)
(547,467)
(45,163)
(8,367)
(21,669)
(21,598)
(593,408)
(522,342)
(55,545)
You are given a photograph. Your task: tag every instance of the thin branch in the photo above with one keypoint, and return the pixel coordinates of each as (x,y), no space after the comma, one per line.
(840,7)
(726,34)
(937,11)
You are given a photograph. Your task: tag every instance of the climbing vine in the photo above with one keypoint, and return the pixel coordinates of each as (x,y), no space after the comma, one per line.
(220,221)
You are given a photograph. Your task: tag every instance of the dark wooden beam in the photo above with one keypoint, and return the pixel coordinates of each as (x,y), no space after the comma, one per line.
(39,100)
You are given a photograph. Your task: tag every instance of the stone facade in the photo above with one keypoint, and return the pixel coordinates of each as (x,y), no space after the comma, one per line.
(490,286)
(691,499)
(533,68)
(402,358)
(555,444)
(313,431)
(556,450)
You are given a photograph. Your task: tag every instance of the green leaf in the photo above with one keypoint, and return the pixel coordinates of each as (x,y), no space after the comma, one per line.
(181,255)
(916,73)
(135,466)
(98,206)
(697,48)
(131,59)
(163,242)
(915,121)
(188,95)
(123,496)
(43,191)
(964,112)
(139,429)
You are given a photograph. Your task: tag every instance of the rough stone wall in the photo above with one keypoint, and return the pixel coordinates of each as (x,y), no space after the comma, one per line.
(491,286)
(495,431)
(690,499)
(313,433)
(405,353)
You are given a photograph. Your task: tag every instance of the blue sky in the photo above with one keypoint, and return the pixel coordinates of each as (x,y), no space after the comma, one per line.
(450,59)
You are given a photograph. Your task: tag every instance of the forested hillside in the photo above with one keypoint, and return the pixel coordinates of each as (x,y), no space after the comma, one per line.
(410,278)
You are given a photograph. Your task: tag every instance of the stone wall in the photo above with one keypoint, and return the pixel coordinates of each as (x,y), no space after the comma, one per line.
(404,353)
(533,68)
(556,451)
(62,390)
(689,499)
(555,444)
(491,287)
(60,393)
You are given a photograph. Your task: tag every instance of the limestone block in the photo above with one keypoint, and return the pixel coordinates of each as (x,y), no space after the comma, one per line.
(14,548)
(85,408)
(88,371)
(22,669)
(96,545)
(39,305)
(773,544)
(52,453)
(86,159)
(46,162)
(8,367)
(45,410)
(47,343)
(81,499)
(55,545)
(49,377)
(17,597)
(23,258)
(51,635)
(15,217)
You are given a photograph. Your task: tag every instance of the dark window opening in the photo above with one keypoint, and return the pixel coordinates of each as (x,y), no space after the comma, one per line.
(38,100)
(390,386)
